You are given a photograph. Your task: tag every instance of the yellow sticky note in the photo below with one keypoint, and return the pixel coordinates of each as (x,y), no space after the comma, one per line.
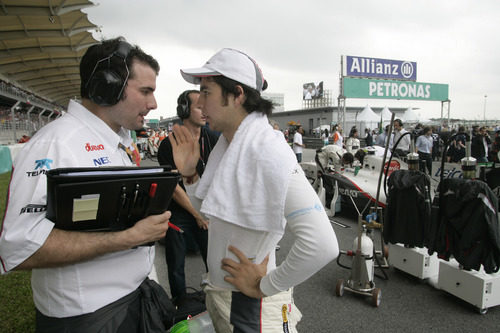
(85,208)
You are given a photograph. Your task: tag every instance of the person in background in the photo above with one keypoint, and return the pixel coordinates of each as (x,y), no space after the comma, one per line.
(86,281)
(251,189)
(403,147)
(495,148)
(368,137)
(435,143)
(352,143)
(424,149)
(298,145)
(458,145)
(381,138)
(338,139)
(184,214)
(480,145)
(325,137)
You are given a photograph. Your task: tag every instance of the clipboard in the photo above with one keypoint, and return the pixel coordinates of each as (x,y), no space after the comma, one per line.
(107,198)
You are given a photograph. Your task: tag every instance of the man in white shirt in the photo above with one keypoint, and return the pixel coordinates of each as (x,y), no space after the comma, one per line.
(424,149)
(403,147)
(298,145)
(85,281)
(251,188)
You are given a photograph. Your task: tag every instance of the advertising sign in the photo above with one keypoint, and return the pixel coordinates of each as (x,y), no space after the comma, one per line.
(387,89)
(380,68)
(312,91)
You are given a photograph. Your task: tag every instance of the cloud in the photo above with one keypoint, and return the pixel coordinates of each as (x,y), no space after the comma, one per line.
(453,42)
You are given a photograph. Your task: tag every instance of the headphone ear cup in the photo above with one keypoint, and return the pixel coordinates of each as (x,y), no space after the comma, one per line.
(183,110)
(105,88)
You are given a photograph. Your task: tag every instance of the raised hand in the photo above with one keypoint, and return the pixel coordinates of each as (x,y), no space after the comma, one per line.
(186,150)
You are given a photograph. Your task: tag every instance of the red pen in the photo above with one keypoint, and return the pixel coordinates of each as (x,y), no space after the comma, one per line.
(152,190)
(176,228)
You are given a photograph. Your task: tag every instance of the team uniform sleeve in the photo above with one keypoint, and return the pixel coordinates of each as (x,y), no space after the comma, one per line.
(25,227)
(315,243)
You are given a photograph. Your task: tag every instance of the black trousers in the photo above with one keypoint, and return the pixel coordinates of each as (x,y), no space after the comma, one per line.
(175,250)
(425,160)
(147,309)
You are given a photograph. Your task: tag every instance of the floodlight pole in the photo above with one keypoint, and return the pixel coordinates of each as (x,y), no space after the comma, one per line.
(484,110)
(341,99)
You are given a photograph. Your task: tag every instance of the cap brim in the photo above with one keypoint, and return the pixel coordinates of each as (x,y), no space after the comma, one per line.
(194,75)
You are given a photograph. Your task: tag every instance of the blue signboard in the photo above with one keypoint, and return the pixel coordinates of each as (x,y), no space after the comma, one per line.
(364,67)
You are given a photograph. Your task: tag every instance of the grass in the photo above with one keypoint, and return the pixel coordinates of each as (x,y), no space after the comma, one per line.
(17,311)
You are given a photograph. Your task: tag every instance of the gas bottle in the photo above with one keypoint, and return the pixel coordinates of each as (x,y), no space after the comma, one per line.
(366,250)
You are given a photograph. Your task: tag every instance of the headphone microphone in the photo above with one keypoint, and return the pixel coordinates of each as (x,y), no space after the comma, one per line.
(105,84)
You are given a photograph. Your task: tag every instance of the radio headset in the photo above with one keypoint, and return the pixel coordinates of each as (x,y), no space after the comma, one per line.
(184,104)
(105,85)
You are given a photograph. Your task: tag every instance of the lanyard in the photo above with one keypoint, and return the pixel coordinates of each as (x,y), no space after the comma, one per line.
(132,155)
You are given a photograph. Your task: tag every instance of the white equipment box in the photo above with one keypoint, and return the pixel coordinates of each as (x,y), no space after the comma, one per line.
(475,287)
(414,261)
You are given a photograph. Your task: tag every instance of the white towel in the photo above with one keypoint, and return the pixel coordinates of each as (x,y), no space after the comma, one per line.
(245,182)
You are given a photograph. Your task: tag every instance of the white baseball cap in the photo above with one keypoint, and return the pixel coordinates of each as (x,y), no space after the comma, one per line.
(232,64)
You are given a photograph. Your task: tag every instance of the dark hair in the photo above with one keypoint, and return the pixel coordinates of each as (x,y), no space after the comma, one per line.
(426,129)
(348,158)
(354,130)
(105,49)
(399,121)
(253,102)
(360,155)
(184,103)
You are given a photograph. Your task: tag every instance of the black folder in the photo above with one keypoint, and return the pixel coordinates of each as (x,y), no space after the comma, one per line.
(107,198)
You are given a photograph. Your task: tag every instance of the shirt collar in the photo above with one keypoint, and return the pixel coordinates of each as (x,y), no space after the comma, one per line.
(98,126)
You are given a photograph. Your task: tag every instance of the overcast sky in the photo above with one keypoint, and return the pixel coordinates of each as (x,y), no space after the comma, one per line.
(454,42)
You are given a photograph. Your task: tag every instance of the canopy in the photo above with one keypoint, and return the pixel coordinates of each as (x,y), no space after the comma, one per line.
(386,114)
(410,116)
(367,115)
(321,128)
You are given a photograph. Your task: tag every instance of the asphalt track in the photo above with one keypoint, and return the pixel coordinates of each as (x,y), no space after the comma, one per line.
(408,304)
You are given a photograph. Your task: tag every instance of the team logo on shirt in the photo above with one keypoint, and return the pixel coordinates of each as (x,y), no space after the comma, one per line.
(32,208)
(101,161)
(41,167)
(89,147)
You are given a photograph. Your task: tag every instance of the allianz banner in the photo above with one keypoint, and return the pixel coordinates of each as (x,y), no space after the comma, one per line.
(389,89)
(376,68)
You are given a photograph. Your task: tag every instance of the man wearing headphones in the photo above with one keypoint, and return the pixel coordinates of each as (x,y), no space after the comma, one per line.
(184,215)
(85,281)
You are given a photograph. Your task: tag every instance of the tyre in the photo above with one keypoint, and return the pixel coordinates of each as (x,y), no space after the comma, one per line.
(339,290)
(376,297)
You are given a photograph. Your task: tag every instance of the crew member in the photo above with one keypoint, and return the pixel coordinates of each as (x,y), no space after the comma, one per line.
(90,281)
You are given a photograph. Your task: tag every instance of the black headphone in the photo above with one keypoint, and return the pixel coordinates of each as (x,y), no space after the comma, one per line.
(184,104)
(105,85)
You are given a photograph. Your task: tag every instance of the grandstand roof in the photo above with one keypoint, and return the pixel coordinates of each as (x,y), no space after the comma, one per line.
(41,43)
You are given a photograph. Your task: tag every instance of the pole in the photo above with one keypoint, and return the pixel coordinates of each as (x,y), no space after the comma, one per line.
(13,121)
(484,110)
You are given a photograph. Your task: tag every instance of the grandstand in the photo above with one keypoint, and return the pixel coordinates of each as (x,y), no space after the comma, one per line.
(41,44)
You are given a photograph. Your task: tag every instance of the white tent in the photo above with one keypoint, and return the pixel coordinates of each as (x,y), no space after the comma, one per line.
(386,114)
(367,115)
(367,119)
(410,116)
(321,129)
